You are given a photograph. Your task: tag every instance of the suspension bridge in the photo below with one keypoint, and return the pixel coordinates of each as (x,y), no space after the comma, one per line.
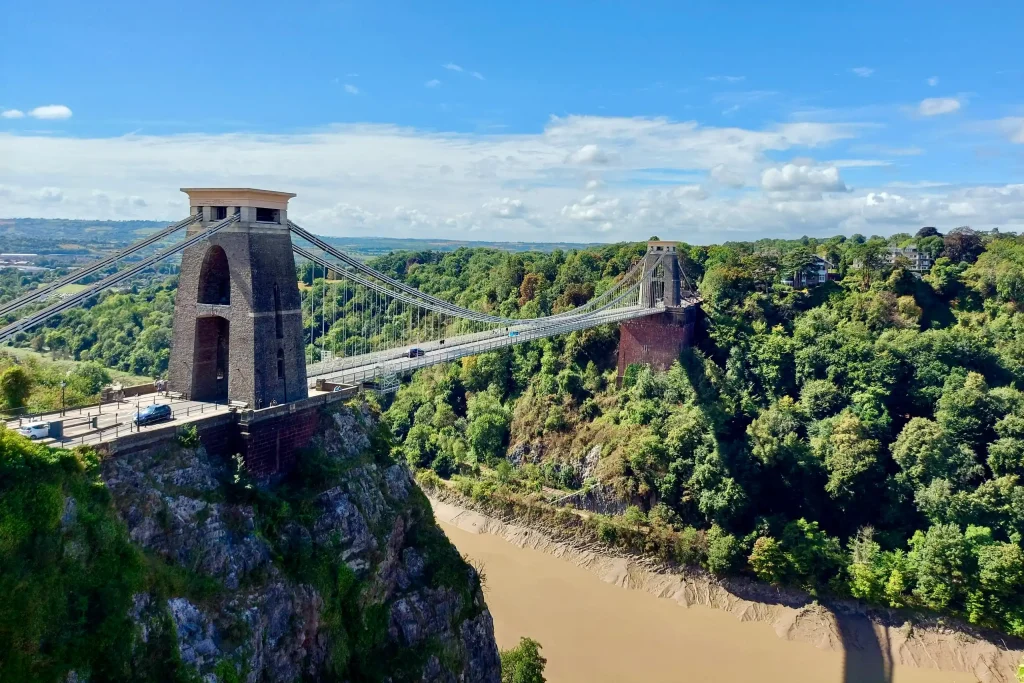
(244,335)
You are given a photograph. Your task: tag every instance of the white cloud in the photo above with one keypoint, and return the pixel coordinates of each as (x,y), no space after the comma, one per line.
(902,151)
(862,71)
(368,179)
(593,210)
(727,176)
(51,111)
(455,67)
(726,79)
(802,177)
(935,106)
(351,89)
(432,83)
(858,163)
(1013,127)
(933,81)
(505,207)
(12,114)
(588,154)
(50,195)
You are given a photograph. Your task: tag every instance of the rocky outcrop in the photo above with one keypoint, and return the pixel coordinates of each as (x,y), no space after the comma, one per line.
(336,572)
(600,498)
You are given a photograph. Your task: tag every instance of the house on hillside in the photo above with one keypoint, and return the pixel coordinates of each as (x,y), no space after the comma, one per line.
(920,262)
(819,270)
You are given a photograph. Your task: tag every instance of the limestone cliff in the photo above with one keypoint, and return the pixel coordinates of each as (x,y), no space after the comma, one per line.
(337,572)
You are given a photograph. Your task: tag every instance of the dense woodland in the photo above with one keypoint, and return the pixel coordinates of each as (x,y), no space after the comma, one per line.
(861,437)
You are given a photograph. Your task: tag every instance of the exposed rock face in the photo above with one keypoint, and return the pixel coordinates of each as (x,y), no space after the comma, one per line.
(333,574)
(600,498)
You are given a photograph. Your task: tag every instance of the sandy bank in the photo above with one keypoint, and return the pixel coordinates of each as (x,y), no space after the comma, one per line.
(792,615)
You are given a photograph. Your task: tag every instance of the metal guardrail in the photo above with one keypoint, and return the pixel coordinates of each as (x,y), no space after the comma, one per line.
(122,428)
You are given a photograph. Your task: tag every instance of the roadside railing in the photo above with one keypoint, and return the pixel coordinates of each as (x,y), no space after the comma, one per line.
(124,421)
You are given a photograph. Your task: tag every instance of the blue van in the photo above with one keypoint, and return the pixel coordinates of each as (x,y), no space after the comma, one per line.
(154,413)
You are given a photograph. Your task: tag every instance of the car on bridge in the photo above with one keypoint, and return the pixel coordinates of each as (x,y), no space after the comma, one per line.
(157,412)
(416,353)
(513,333)
(36,430)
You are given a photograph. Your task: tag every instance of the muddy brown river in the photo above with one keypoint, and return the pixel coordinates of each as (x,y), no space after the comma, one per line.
(597,632)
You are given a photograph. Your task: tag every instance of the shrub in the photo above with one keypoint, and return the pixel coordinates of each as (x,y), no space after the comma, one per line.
(188,437)
(428,480)
(589,410)
(555,421)
(443,465)
(634,517)
(607,532)
(724,551)
(691,547)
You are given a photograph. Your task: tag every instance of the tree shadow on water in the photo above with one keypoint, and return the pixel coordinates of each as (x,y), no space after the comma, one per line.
(866,654)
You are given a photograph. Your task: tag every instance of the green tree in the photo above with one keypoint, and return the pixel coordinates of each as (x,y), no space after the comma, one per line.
(923,453)
(820,398)
(634,517)
(15,386)
(769,561)
(1006,454)
(724,551)
(523,663)
(941,558)
(775,434)
(967,412)
(850,456)
(488,434)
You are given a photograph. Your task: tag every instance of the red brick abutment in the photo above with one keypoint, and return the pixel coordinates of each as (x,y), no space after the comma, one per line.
(656,340)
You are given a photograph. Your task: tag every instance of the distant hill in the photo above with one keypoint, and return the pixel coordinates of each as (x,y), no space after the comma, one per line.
(46,235)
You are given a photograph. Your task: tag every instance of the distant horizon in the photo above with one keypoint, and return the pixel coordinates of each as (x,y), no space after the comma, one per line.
(539,242)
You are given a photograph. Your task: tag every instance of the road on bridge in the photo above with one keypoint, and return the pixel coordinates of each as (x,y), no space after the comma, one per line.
(117,419)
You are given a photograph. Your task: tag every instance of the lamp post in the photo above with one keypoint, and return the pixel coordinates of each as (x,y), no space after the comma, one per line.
(63,384)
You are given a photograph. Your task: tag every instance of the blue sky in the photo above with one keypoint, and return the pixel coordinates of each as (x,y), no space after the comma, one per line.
(528,120)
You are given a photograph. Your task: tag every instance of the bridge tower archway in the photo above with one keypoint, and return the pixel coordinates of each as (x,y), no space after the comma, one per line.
(215,278)
(210,362)
(238,316)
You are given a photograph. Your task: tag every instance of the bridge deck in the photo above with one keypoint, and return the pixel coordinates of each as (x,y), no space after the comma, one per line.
(366,367)
(116,419)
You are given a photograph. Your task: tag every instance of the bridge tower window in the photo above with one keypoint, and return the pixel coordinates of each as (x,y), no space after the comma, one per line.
(268,215)
(280,363)
(215,278)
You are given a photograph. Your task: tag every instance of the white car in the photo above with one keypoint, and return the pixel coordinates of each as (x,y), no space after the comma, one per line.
(36,430)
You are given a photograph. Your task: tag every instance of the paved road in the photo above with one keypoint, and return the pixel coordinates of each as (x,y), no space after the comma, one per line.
(367,367)
(116,419)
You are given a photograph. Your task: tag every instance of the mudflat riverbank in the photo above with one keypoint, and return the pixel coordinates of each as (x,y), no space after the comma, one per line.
(572,600)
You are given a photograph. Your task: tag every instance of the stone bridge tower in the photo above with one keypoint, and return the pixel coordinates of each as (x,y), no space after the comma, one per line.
(237,320)
(657,340)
